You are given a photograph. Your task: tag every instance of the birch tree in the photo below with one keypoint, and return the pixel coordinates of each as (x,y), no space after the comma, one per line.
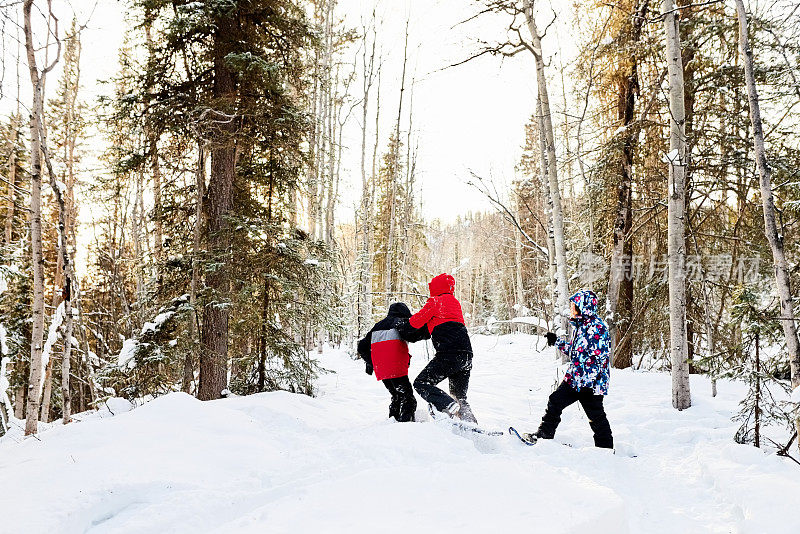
(559,240)
(364,307)
(66,126)
(37,78)
(391,274)
(676,192)
(547,194)
(773,233)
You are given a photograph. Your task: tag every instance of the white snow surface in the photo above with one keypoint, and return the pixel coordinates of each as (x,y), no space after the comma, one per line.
(280,462)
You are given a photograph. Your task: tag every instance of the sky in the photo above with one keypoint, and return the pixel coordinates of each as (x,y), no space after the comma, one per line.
(466,119)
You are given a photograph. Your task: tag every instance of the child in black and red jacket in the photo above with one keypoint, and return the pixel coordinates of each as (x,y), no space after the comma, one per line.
(444,320)
(386,354)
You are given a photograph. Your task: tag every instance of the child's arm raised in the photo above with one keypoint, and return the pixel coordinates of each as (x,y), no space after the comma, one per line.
(421,318)
(409,333)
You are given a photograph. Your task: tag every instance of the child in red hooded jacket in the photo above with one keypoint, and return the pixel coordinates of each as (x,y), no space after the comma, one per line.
(453,360)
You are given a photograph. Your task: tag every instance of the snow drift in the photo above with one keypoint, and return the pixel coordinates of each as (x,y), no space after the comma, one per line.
(278,462)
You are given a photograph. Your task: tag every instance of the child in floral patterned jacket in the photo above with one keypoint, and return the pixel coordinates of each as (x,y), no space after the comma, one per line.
(586,380)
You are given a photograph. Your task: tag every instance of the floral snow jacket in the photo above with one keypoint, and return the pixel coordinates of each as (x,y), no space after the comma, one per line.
(588,348)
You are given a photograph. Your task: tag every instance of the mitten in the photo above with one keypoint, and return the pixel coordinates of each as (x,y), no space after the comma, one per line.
(551,339)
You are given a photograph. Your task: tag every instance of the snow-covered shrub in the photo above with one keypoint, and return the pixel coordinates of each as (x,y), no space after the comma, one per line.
(151,363)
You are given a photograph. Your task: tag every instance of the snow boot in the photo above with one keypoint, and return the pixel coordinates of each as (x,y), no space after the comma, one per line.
(453,409)
(450,412)
(533,437)
(465,412)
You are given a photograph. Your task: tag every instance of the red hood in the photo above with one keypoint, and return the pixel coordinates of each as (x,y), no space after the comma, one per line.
(444,283)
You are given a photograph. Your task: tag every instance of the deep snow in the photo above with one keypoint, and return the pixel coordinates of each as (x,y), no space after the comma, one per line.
(279,462)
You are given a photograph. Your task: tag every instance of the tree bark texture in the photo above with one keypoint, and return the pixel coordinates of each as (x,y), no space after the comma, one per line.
(194,354)
(619,304)
(548,202)
(214,355)
(390,271)
(12,182)
(562,287)
(676,241)
(771,229)
(365,254)
(36,364)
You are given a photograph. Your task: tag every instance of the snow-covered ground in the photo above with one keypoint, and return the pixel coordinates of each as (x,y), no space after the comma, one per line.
(278,462)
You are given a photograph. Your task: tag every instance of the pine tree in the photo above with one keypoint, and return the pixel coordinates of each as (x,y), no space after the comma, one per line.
(229,79)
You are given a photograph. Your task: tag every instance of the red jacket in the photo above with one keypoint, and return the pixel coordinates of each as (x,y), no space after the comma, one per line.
(443,317)
(385,349)
(390,357)
(441,307)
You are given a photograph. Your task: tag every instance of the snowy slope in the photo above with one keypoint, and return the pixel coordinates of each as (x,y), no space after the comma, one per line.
(279,462)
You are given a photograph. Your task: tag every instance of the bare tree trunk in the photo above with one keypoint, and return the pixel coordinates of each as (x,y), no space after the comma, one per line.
(47,393)
(365,275)
(548,199)
(19,403)
(6,408)
(562,287)
(66,361)
(83,328)
(156,170)
(326,132)
(774,235)
(194,355)
(676,241)
(65,291)
(152,141)
(519,290)
(37,111)
(12,181)
(620,280)
(136,234)
(408,200)
(262,349)
(331,163)
(395,176)
(214,355)
(311,187)
(374,174)
(70,218)
(316,141)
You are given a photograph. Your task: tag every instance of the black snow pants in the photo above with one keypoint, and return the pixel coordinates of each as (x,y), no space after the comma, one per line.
(403,403)
(455,366)
(593,406)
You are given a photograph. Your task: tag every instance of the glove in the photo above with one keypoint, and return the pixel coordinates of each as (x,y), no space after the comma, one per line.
(369,369)
(551,339)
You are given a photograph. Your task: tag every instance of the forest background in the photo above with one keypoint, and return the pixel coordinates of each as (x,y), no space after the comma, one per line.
(227,186)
